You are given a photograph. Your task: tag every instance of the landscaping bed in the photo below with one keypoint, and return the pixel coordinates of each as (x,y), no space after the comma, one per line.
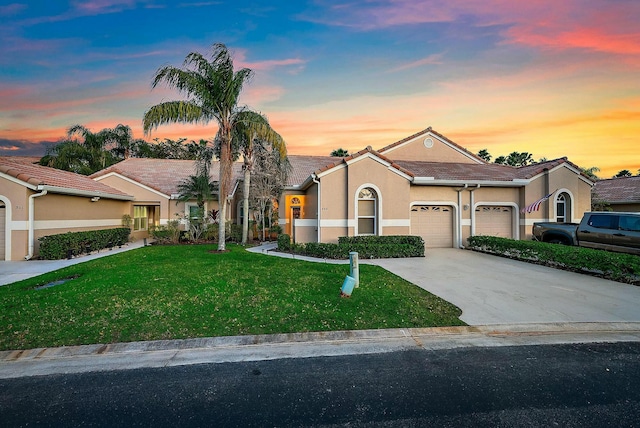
(609,265)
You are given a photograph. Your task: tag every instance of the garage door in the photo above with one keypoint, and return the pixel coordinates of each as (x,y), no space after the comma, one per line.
(494,221)
(434,223)
(2,231)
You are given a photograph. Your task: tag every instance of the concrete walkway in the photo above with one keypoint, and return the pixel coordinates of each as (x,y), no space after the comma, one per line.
(18,270)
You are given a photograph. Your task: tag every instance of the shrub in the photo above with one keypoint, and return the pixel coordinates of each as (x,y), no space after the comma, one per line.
(55,247)
(169,234)
(367,247)
(615,266)
(284,242)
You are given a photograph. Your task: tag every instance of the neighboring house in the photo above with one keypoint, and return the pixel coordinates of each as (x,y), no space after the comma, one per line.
(154,186)
(426,185)
(618,194)
(37,201)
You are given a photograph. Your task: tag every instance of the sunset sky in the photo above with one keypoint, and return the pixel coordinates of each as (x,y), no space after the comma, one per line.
(553,78)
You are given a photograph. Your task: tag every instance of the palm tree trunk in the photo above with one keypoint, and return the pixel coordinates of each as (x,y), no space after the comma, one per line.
(245,204)
(226,165)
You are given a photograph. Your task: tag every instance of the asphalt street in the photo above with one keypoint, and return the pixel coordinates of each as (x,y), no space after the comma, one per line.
(571,385)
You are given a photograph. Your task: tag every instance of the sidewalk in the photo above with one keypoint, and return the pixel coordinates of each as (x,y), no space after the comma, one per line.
(169,353)
(17,271)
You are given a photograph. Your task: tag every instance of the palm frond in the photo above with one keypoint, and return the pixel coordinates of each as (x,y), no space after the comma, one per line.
(173,112)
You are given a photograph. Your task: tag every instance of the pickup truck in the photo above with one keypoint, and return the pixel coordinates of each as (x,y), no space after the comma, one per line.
(612,231)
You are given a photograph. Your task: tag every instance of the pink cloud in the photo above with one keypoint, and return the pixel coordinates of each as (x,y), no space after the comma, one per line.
(602,26)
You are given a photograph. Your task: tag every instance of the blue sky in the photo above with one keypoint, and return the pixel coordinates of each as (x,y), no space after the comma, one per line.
(551,78)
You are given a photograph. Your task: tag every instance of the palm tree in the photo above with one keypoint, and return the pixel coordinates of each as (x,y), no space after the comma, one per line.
(251,128)
(341,153)
(212,89)
(484,154)
(591,172)
(623,173)
(92,153)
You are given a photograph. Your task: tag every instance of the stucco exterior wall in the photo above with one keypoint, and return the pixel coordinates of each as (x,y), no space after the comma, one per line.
(416,150)
(55,214)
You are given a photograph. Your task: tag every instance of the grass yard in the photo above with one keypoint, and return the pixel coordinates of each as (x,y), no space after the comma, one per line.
(173,292)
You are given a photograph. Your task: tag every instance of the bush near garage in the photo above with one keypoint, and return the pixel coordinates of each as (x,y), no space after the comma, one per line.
(64,245)
(615,266)
(367,247)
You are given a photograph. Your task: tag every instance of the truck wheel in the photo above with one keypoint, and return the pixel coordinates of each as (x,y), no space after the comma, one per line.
(557,241)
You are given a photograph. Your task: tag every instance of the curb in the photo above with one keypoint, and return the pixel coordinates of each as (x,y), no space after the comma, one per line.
(169,353)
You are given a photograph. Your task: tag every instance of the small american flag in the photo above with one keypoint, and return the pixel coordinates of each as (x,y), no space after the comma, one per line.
(536,205)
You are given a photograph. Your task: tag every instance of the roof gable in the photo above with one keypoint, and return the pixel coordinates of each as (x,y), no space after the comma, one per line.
(429,146)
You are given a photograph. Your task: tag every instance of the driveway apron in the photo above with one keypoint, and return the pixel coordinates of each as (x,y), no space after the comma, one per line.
(496,290)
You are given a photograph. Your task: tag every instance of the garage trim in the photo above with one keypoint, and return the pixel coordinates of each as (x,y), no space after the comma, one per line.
(515,216)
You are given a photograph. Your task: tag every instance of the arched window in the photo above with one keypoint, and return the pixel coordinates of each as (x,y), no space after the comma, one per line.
(563,208)
(367,212)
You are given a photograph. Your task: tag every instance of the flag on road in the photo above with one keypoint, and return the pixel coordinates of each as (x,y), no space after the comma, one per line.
(536,205)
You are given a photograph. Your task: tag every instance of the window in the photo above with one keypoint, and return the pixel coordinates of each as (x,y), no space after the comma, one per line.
(563,208)
(140,218)
(367,212)
(601,221)
(630,223)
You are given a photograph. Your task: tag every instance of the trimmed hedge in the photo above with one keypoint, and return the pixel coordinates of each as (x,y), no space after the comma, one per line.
(55,247)
(615,266)
(367,247)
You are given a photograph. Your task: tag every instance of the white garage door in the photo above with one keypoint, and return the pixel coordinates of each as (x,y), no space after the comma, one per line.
(494,221)
(434,223)
(2,231)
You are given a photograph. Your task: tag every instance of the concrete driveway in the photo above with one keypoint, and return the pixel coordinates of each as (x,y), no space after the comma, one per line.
(496,290)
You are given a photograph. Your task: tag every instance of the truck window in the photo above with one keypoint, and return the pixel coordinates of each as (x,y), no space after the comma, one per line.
(630,223)
(603,221)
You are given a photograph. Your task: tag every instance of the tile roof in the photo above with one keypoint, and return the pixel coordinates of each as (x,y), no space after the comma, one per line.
(61,181)
(618,190)
(304,166)
(460,171)
(164,175)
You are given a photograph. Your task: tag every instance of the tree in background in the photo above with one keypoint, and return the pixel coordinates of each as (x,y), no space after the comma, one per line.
(252,128)
(85,152)
(341,153)
(484,154)
(199,187)
(591,172)
(623,173)
(212,89)
(271,171)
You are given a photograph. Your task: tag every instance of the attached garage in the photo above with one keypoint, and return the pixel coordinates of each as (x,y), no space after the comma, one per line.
(494,221)
(434,223)
(3,216)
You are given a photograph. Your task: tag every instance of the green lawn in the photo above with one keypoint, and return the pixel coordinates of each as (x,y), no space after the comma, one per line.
(171,292)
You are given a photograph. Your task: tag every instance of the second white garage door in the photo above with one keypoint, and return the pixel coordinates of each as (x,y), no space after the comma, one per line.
(494,221)
(434,223)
